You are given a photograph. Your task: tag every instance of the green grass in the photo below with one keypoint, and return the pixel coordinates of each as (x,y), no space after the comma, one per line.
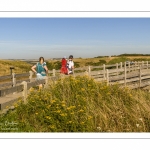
(81,105)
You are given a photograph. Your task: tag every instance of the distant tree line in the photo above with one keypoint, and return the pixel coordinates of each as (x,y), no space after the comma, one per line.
(123,55)
(101,56)
(133,55)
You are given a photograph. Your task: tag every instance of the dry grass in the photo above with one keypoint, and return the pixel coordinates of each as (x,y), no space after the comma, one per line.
(82,105)
(20,67)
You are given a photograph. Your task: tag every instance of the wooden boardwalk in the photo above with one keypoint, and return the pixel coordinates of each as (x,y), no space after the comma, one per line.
(134,76)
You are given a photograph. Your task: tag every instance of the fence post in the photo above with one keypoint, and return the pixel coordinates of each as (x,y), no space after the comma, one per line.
(107,76)
(46,82)
(104,71)
(120,65)
(138,64)
(86,73)
(125,74)
(24,93)
(140,75)
(147,64)
(117,68)
(135,64)
(54,72)
(30,76)
(13,80)
(142,63)
(89,70)
(129,66)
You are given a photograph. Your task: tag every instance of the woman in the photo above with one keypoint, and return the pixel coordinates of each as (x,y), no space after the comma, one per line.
(64,66)
(40,69)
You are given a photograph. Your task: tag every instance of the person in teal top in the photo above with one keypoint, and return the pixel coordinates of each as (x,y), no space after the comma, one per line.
(40,69)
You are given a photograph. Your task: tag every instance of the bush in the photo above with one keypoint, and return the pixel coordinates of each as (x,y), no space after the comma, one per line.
(141,59)
(76,64)
(118,60)
(101,62)
(81,105)
(57,65)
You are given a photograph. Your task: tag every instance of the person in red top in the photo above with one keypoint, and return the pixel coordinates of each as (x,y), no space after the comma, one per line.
(64,66)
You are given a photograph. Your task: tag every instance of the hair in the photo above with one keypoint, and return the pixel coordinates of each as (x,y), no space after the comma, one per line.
(71,56)
(41,58)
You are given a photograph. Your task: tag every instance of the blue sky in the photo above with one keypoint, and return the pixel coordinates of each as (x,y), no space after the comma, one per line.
(30,38)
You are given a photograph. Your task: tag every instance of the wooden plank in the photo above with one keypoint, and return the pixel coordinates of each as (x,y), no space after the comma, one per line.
(79,74)
(116,70)
(92,67)
(5,77)
(113,65)
(22,75)
(83,68)
(7,91)
(96,72)
(6,84)
(9,100)
(35,83)
(20,81)
(130,80)
(137,86)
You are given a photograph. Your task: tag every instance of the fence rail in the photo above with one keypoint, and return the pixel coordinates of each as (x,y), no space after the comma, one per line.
(135,75)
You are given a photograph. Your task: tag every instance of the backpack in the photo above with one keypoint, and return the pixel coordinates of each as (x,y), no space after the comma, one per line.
(40,68)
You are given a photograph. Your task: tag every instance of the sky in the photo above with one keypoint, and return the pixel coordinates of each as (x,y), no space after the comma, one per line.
(30,38)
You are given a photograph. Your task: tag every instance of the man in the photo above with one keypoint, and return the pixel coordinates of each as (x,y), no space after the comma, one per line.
(70,65)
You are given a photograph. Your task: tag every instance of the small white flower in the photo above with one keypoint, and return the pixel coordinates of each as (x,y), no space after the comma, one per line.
(137,125)
(99,128)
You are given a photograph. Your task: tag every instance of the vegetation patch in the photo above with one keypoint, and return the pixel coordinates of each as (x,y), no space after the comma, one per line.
(80,105)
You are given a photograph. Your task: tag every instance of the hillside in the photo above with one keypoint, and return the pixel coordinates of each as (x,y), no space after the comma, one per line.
(20,66)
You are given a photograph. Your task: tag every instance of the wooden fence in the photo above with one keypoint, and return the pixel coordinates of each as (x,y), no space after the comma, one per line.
(135,76)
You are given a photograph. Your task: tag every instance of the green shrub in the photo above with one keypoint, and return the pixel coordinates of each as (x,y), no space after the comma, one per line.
(81,105)
(118,60)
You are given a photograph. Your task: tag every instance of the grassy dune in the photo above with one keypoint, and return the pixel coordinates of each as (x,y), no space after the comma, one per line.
(81,105)
(20,67)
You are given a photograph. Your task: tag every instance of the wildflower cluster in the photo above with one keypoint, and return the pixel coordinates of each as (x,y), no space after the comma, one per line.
(81,105)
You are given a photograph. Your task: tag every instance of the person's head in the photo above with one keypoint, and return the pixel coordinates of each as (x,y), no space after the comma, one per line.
(41,60)
(71,57)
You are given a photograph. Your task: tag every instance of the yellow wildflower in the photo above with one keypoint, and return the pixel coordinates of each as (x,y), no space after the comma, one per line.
(52,126)
(81,110)
(7,107)
(48,117)
(69,122)
(82,89)
(63,105)
(48,106)
(63,115)
(58,111)
(68,108)
(53,101)
(63,102)
(90,117)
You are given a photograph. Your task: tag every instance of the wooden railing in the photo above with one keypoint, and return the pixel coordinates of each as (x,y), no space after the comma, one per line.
(135,75)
